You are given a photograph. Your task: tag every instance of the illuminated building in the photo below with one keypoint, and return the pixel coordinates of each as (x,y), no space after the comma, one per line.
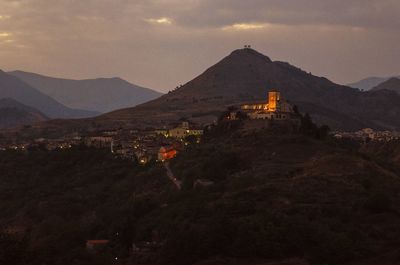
(180,131)
(275,109)
(166,153)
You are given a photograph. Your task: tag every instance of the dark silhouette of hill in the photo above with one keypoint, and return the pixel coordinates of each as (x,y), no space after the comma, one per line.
(392,84)
(13,113)
(276,198)
(100,95)
(247,75)
(369,82)
(12,87)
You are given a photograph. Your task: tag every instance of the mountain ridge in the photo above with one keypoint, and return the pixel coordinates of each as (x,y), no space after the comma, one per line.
(13,87)
(369,83)
(98,94)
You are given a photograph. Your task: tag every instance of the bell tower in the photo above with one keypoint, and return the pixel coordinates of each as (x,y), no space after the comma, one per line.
(273,100)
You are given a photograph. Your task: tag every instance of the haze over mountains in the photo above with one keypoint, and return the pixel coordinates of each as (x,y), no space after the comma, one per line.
(12,87)
(246,75)
(13,113)
(369,83)
(98,95)
(392,84)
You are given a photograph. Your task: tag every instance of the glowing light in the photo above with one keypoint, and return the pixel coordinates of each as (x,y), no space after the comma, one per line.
(161,21)
(5,34)
(4,17)
(245,26)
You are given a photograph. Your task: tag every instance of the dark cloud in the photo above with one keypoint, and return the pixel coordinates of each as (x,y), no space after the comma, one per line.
(161,43)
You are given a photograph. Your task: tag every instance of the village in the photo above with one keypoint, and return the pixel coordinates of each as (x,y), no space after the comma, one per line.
(140,145)
(368,134)
(165,143)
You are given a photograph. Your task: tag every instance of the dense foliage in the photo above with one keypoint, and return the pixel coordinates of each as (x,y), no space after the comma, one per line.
(272,197)
(60,199)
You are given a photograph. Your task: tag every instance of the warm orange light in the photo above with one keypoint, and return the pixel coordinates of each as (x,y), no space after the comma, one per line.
(273,99)
(168,154)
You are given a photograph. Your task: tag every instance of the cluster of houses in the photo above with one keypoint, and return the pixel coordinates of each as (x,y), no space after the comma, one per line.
(164,143)
(140,145)
(368,134)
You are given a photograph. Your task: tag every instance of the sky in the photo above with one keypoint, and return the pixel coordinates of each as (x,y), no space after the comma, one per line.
(164,43)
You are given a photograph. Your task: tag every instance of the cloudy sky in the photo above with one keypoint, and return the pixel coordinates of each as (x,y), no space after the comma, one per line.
(163,43)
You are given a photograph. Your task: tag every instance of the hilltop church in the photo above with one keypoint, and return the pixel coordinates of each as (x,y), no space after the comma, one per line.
(275,109)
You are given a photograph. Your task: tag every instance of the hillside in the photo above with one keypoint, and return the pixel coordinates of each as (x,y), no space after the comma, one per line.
(276,198)
(392,84)
(100,95)
(247,75)
(12,87)
(13,113)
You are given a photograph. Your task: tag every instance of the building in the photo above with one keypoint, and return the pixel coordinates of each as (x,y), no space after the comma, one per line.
(368,134)
(275,109)
(96,245)
(99,141)
(181,131)
(166,153)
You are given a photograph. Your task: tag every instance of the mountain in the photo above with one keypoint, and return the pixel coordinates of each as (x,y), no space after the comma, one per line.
(392,84)
(100,95)
(12,87)
(247,75)
(13,113)
(369,83)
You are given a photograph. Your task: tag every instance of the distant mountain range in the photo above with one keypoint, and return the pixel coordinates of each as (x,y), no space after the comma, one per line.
(13,113)
(392,84)
(13,87)
(369,83)
(246,75)
(98,95)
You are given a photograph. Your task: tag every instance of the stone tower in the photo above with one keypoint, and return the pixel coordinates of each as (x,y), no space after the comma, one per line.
(273,100)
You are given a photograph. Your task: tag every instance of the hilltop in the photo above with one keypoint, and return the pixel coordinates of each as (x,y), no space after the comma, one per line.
(99,95)
(244,75)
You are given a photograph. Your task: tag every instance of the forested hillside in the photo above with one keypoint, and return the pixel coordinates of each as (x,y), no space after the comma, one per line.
(271,198)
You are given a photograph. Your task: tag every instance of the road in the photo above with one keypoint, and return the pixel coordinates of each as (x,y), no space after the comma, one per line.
(171,176)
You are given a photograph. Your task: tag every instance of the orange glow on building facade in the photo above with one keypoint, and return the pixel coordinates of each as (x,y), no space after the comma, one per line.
(274,103)
(273,100)
(166,153)
(275,108)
